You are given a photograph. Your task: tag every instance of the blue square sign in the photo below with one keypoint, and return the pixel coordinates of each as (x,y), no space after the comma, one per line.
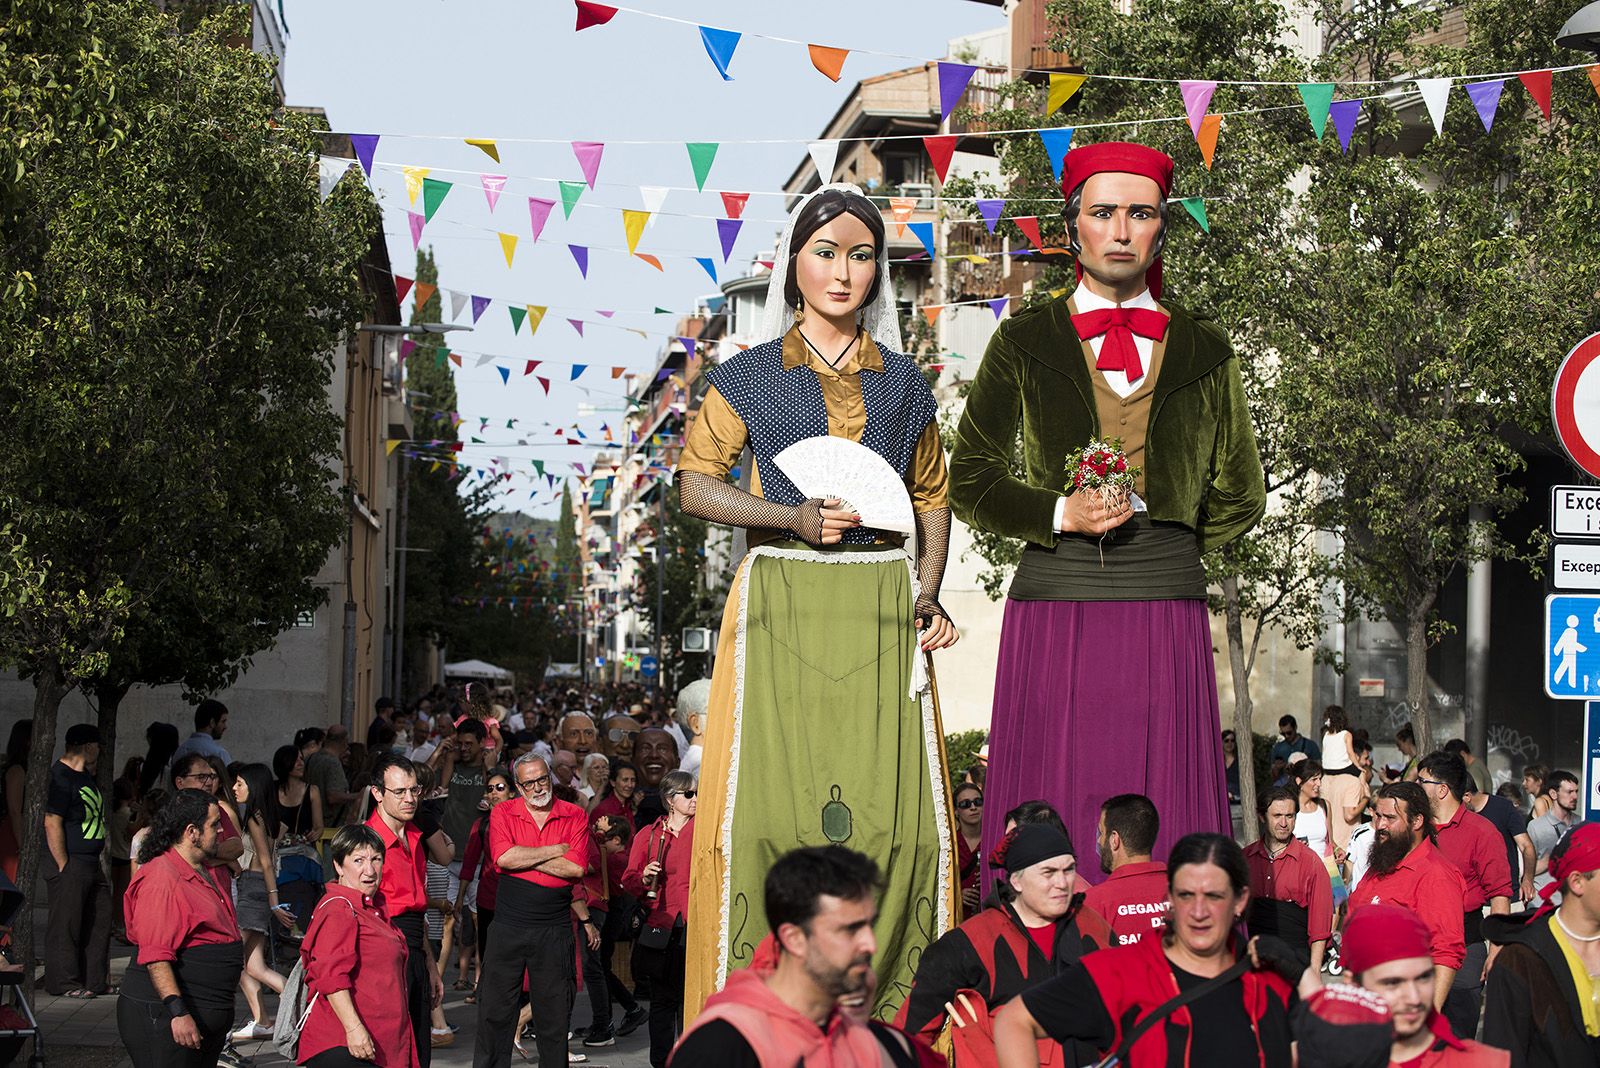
(1572,646)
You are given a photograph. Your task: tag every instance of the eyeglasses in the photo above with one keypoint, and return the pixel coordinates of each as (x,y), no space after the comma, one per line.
(970,802)
(685,793)
(533,784)
(404,791)
(1431,782)
(205,776)
(616,734)
(499,787)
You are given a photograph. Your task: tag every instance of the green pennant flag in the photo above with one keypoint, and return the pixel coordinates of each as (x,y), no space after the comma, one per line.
(701,153)
(433,194)
(1318,98)
(662,311)
(1196,206)
(439,357)
(538,466)
(570,192)
(517,315)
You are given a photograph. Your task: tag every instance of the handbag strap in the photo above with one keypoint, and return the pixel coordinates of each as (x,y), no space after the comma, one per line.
(1170,1006)
(305,1014)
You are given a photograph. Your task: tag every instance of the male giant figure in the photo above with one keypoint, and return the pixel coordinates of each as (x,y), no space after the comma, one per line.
(1106,683)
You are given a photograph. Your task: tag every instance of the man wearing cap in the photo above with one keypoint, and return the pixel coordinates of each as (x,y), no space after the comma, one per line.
(1038,928)
(1408,871)
(1386,950)
(1290,895)
(1106,634)
(1540,1002)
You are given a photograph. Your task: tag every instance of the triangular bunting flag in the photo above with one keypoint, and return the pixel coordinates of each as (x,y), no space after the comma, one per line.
(578,369)
(570,192)
(1196,99)
(458,303)
(604,314)
(719,46)
(998,305)
(923,231)
(508,245)
(940,150)
(402,286)
(1056,143)
(417,222)
(1436,95)
(733,204)
(390,445)
(329,171)
(1594,77)
(829,61)
(591,14)
(1210,126)
(688,344)
(433,194)
(1537,82)
(414,177)
(588,153)
(931,312)
(536,316)
(545,382)
(1485,97)
(455,358)
(728,233)
(577,324)
(1344,114)
(633,223)
(366,145)
(990,210)
(492,185)
(1317,97)
(425,292)
(517,316)
(900,208)
(1029,225)
(538,212)
(505,374)
(953,79)
(488,146)
(616,372)
(1062,89)
(701,153)
(479,306)
(824,155)
(1196,207)
(528,370)
(710,267)
(580,256)
(653,196)
(651,260)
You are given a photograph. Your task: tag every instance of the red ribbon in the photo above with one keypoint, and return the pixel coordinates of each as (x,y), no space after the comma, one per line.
(1118,352)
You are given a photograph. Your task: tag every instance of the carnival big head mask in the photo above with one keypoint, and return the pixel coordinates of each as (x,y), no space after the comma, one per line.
(1116,211)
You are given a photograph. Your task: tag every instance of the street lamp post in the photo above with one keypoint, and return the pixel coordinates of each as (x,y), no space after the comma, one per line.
(1582,31)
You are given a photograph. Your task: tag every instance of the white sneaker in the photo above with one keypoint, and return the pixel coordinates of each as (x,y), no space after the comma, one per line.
(250,1031)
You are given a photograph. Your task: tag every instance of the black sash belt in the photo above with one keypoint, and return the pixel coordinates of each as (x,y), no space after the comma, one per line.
(1285,919)
(206,975)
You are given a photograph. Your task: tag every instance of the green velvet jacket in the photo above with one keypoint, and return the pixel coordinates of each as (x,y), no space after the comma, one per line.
(1201,464)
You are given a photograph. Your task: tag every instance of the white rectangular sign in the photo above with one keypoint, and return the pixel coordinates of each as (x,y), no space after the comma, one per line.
(1575,567)
(1575,511)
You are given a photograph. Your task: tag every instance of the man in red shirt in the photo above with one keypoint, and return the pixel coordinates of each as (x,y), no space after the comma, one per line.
(1134,899)
(541,846)
(1408,871)
(404,884)
(1474,846)
(1386,950)
(1290,893)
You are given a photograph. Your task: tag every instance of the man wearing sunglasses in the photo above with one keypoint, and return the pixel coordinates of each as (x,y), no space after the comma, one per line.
(541,846)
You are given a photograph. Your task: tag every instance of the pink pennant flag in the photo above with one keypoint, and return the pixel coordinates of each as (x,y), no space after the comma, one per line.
(538,212)
(492,185)
(417,221)
(588,153)
(734,203)
(577,324)
(1196,99)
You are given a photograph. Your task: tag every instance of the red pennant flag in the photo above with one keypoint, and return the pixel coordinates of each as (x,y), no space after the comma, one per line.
(545,382)
(531,365)
(830,61)
(593,14)
(1537,82)
(1029,225)
(940,149)
(733,203)
(402,286)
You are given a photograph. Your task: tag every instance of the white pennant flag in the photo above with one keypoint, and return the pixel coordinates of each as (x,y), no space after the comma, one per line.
(329,170)
(1436,94)
(458,303)
(653,196)
(824,154)
(489,358)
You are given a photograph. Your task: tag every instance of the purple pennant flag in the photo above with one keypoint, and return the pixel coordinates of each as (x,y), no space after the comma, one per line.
(990,210)
(728,233)
(479,306)
(663,374)
(505,374)
(365,145)
(577,324)
(580,255)
(1344,114)
(604,314)
(538,212)
(998,305)
(407,347)
(1485,96)
(578,369)
(953,79)
(417,222)
(688,345)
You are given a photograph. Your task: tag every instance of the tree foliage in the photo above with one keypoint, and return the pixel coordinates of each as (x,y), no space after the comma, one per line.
(687,600)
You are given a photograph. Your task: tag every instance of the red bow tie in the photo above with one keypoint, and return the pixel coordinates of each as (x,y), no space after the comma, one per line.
(1118,352)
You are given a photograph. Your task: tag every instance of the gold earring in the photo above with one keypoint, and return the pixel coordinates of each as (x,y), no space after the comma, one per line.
(799,312)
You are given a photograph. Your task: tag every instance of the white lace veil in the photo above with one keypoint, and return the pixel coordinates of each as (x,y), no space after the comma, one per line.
(879,318)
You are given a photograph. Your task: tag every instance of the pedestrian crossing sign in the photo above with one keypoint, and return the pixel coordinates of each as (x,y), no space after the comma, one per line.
(1572,646)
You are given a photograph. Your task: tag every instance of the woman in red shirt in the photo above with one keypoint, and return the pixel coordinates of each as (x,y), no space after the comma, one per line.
(355,963)
(477,864)
(658,874)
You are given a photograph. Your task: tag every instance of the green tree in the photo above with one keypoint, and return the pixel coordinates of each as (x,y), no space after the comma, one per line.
(173,287)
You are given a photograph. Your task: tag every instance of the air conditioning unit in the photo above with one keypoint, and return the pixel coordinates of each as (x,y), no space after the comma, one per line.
(698,640)
(923,193)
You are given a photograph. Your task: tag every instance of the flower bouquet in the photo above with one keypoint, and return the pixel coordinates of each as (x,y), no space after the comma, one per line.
(1101,467)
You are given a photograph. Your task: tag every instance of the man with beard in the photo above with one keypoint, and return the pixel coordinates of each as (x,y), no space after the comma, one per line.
(1040,927)
(821,903)
(1407,870)
(657,753)
(1290,895)
(578,734)
(1134,900)
(1561,787)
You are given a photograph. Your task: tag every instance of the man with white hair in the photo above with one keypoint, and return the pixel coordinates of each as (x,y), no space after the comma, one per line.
(690,715)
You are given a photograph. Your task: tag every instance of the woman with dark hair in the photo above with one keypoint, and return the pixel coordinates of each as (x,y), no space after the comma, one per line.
(177,997)
(824,609)
(621,797)
(355,963)
(1313,822)
(968,798)
(480,877)
(13,780)
(161,740)
(257,901)
(300,819)
(1241,1017)
(1341,776)
(1533,777)
(658,875)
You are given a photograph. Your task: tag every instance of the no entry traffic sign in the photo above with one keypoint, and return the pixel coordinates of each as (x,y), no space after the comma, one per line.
(1575,404)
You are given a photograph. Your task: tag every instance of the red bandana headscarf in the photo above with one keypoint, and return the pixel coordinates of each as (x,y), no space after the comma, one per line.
(1577,852)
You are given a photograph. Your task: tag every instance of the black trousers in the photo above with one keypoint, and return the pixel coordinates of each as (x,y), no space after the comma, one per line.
(594,976)
(337,1057)
(485,918)
(664,968)
(610,934)
(77,941)
(545,955)
(146,1029)
(419,998)
(1465,1000)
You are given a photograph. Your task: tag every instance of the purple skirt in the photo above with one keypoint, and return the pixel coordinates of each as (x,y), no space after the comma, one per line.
(1097,698)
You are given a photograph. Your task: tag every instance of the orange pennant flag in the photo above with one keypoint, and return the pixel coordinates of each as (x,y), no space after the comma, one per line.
(652,261)
(425,292)
(830,61)
(901,208)
(931,312)
(455,359)
(1207,137)
(616,372)
(1594,76)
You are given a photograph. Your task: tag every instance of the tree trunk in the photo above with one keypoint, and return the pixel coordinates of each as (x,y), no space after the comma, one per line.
(108,697)
(1417,676)
(1244,736)
(48,691)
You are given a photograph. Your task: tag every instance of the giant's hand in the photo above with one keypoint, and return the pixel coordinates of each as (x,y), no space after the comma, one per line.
(1086,513)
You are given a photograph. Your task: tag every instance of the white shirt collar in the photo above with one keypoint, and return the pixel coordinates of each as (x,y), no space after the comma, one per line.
(1087,300)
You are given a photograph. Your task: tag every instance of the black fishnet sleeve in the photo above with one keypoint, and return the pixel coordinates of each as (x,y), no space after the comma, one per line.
(933,545)
(717,501)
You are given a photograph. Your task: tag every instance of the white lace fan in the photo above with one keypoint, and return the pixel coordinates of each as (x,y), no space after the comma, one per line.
(830,467)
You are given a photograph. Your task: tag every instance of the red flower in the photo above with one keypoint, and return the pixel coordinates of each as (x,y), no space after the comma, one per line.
(1122,465)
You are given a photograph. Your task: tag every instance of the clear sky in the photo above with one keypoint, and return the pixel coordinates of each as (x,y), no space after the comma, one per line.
(426,73)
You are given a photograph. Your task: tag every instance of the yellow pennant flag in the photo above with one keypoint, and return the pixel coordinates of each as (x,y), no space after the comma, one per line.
(633,224)
(508,245)
(490,149)
(390,445)
(414,177)
(973,257)
(1062,88)
(535,317)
